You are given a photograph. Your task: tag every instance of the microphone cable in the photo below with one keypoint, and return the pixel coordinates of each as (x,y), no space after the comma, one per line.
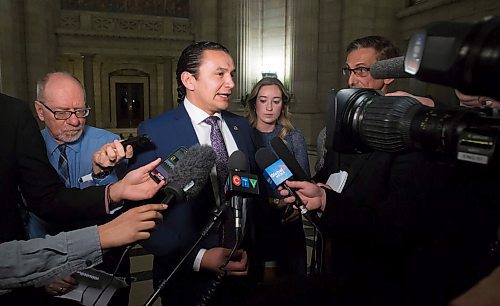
(316,264)
(113,276)
(212,288)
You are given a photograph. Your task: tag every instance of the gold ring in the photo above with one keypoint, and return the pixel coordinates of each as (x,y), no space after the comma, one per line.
(61,290)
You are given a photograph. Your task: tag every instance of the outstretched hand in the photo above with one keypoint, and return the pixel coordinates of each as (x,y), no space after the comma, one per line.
(133,225)
(313,196)
(136,185)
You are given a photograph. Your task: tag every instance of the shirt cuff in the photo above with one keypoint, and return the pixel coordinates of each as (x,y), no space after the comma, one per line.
(197,260)
(111,207)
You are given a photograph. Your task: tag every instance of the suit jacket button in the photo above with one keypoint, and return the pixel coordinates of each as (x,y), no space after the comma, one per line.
(235,128)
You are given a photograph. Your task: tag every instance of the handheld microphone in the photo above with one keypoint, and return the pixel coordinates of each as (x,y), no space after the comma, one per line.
(392,68)
(189,174)
(290,161)
(239,183)
(276,173)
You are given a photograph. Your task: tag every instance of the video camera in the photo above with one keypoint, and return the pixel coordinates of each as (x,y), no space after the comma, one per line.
(466,57)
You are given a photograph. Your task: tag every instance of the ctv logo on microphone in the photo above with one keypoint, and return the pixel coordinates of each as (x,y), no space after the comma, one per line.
(277,173)
(242,182)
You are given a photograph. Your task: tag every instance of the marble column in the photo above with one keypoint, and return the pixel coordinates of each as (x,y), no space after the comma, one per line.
(13,79)
(88,84)
(40,40)
(304,56)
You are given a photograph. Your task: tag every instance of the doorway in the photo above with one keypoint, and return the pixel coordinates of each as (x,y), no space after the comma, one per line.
(129,104)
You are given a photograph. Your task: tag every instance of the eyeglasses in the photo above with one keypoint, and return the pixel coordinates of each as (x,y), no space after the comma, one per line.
(359,71)
(63,115)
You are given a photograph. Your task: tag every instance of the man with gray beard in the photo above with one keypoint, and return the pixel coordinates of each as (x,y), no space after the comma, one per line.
(82,155)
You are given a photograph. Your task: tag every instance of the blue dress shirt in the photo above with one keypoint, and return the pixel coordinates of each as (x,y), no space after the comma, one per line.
(79,155)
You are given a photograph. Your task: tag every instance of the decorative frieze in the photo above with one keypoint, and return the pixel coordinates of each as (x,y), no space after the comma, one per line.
(119,25)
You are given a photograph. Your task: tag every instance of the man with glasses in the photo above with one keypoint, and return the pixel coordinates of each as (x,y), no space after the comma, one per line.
(371,221)
(82,155)
(362,53)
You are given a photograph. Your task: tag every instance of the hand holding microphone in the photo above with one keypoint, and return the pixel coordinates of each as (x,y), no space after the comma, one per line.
(313,196)
(277,175)
(188,174)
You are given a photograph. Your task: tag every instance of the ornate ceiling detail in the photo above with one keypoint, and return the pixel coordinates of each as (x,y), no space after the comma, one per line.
(172,8)
(121,25)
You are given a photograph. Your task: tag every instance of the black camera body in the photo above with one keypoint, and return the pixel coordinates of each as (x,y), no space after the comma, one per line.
(460,55)
(363,120)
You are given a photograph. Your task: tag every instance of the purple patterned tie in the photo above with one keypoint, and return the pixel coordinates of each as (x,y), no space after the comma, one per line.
(220,150)
(228,233)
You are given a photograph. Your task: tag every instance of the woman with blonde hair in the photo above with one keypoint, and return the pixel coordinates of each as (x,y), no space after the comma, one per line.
(268,114)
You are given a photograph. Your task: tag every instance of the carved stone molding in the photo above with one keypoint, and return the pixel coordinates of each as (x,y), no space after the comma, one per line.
(122,25)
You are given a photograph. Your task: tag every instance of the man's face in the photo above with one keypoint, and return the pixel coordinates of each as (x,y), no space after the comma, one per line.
(365,57)
(211,90)
(62,93)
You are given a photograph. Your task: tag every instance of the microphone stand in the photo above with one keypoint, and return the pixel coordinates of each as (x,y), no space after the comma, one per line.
(216,213)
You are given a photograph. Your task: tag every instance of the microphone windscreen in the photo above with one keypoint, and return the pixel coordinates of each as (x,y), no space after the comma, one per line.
(392,68)
(290,161)
(264,158)
(237,161)
(194,168)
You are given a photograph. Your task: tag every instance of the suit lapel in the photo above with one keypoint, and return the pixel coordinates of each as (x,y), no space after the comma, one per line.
(235,131)
(183,123)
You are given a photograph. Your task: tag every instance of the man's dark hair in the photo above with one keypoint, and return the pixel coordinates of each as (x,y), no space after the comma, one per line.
(384,47)
(190,61)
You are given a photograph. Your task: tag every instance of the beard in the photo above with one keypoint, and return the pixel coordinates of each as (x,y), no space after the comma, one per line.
(68,136)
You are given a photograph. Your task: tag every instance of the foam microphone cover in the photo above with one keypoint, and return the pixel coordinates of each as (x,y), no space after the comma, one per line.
(290,161)
(192,170)
(392,68)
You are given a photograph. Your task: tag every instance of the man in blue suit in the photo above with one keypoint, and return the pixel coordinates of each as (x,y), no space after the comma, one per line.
(205,83)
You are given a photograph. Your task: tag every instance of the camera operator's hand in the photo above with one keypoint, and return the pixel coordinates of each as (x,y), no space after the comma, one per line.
(476,101)
(313,196)
(109,155)
(136,185)
(423,100)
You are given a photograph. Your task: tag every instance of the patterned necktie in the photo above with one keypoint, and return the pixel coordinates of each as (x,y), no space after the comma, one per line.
(62,166)
(220,150)
(228,232)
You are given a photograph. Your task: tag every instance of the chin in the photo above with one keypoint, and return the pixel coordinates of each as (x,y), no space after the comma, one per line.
(71,137)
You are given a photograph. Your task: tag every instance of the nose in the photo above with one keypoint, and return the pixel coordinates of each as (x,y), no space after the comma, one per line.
(269,105)
(230,82)
(73,120)
(353,80)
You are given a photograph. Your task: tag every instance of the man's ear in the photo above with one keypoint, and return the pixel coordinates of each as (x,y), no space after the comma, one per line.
(188,80)
(39,111)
